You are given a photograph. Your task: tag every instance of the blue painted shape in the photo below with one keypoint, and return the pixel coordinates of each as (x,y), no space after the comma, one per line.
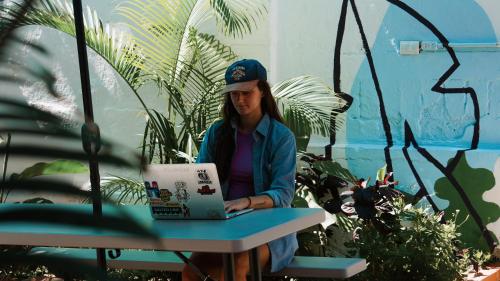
(437,121)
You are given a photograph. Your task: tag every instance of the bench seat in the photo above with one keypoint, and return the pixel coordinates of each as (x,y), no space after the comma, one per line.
(301,266)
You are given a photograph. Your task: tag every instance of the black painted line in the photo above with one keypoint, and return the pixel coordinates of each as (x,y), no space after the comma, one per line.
(338,47)
(438,86)
(454,162)
(422,190)
(454,182)
(383,114)
(336,77)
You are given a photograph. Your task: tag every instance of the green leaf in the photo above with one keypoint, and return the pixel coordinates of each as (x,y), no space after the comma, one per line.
(53,168)
(334,169)
(38,200)
(381,173)
(299,202)
(308,104)
(475,182)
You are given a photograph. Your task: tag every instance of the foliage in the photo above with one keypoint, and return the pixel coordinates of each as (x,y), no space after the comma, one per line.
(400,242)
(318,184)
(123,190)
(23,121)
(409,244)
(168,49)
(307,104)
(56,167)
(477,258)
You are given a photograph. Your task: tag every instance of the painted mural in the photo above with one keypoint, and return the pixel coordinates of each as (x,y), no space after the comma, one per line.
(425,115)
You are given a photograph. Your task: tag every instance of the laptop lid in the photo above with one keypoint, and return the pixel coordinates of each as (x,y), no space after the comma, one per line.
(184,191)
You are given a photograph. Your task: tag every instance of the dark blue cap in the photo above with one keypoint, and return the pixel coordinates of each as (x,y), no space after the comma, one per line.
(243,75)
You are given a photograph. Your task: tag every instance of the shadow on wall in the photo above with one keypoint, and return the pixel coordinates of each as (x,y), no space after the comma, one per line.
(409,103)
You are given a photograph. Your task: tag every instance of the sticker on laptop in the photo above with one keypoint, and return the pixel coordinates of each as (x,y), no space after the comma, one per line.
(152,189)
(166,211)
(181,192)
(165,195)
(203,177)
(156,202)
(206,190)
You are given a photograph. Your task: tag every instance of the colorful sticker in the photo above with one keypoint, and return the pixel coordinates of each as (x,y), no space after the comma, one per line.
(203,177)
(206,190)
(156,202)
(181,192)
(166,211)
(152,191)
(165,194)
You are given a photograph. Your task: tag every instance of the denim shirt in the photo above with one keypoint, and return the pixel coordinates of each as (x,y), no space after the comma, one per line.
(273,163)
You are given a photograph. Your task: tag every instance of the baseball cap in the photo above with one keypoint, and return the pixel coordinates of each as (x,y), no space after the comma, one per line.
(244,75)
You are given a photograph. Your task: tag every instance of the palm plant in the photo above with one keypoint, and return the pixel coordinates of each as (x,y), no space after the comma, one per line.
(186,65)
(167,48)
(20,120)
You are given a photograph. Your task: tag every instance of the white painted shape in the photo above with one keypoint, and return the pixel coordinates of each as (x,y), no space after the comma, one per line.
(490,7)
(303,34)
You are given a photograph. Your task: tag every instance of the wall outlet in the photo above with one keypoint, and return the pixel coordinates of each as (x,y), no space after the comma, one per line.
(409,47)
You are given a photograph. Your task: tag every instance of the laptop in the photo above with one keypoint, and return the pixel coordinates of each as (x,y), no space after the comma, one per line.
(185,191)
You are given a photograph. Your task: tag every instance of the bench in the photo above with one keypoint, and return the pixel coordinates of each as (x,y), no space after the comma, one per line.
(301,266)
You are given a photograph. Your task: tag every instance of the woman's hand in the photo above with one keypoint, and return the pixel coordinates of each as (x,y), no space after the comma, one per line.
(255,202)
(236,205)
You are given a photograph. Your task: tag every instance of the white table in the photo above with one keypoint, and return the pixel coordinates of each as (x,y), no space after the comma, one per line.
(242,233)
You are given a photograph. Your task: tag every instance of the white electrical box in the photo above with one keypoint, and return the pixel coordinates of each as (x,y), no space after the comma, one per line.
(409,47)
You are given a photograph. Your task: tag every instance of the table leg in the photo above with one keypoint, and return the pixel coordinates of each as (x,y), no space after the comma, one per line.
(228,259)
(255,270)
(101,259)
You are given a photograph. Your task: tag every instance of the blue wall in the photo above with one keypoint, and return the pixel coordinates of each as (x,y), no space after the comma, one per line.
(453,148)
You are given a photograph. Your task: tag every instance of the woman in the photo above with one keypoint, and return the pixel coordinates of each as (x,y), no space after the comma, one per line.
(255,157)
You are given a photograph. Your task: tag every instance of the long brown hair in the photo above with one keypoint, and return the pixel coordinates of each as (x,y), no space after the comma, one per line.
(225,136)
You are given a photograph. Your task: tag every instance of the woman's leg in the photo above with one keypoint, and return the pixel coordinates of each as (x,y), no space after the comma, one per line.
(242,262)
(212,264)
(208,263)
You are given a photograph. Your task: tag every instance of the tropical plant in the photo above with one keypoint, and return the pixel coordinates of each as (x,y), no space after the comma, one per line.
(168,50)
(187,65)
(414,244)
(319,183)
(57,167)
(30,124)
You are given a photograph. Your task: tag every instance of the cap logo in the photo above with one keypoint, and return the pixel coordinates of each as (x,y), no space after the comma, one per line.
(238,73)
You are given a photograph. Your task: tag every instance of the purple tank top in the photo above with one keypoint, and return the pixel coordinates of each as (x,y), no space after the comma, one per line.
(241,176)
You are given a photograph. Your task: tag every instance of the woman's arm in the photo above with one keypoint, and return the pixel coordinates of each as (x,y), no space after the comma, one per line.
(283,164)
(254,202)
(206,153)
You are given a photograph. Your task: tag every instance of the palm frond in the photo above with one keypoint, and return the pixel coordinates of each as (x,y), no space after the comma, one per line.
(210,57)
(237,17)
(21,119)
(160,139)
(308,103)
(161,29)
(18,119)
(123,190)
(115,46)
